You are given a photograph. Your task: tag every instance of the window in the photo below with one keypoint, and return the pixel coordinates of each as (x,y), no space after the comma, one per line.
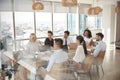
(82,23)
(24,24)
(43,23)
(99,22)
(6,24)
(93,22)
(72,23)
(59,23)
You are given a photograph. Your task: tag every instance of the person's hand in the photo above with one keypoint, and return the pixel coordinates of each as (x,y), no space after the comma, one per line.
(43,72)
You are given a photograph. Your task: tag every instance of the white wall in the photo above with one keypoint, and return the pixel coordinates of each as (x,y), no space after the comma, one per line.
(108,23)
(112,24)
(0,26)
(118,28)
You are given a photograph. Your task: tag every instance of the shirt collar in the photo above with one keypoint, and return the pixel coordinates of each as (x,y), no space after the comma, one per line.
(58,50)
(99,41)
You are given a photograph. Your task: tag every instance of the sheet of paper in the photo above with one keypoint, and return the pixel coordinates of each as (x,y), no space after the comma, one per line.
(47,77)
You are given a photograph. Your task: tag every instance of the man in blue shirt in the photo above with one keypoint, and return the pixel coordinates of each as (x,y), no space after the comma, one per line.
(101,46)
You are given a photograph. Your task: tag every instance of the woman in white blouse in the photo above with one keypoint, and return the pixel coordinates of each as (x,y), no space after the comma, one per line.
(81,50)
(88,37)
(33,45)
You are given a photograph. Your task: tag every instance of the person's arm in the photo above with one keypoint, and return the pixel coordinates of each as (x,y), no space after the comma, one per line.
(91,42)
(52,42)
(45,41)
(51,62)
(97,50)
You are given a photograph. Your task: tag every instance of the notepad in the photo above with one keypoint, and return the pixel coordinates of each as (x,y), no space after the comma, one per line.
(47,77)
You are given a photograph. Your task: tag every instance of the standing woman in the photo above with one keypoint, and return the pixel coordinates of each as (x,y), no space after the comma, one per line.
(81,50)
(88,37)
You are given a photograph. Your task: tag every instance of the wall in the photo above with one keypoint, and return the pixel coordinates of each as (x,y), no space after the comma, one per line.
(109,23)
(106,22)
(112,24)
(118,25)
(0,26)
(118,28)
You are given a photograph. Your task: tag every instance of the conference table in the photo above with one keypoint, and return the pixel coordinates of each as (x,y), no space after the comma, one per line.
(29,61)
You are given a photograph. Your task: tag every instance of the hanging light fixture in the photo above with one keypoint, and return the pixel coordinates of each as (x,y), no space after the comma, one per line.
(94,10)
(69,3)
(97,10)
(37,6)
(117,8)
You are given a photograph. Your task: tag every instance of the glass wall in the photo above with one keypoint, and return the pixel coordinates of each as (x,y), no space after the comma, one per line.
(59,23)
(24,24)
(82,23)
(6,19)
(93,22)
(72,23)
(43,23)
(54,17)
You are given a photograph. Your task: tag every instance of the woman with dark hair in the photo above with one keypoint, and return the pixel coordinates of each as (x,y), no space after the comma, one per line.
(88,37)
(81,50)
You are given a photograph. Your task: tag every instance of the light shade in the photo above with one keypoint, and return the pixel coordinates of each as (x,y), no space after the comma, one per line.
(69,3)
(94,10)
(117,8)
(37,6)
(97,10)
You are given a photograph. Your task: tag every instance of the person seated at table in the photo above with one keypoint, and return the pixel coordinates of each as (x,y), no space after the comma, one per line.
(88,37)
(81,50)
(49,40)
(33,45)
(66,40)
(59,56)
(101,46)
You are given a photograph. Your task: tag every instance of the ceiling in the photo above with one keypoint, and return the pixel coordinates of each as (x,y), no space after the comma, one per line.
(91,1)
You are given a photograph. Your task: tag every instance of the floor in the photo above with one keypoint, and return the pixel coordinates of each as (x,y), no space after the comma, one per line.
(111,66)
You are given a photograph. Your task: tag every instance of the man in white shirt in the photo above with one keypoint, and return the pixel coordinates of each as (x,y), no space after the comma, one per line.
(58,56)
(66,40)
(101,46)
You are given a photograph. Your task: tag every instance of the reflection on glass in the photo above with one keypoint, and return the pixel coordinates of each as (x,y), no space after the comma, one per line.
(24,24)
(72,23)
(6,30)
(99,22)
(94,22)
(82,23)
(59,23)
(91,22)
(6,24)
(43,23)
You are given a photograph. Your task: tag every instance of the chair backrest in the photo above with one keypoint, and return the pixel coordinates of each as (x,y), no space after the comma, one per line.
(87,63)
(101,54)
(100,57)
(59,68)
(72,46)
(59,71)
